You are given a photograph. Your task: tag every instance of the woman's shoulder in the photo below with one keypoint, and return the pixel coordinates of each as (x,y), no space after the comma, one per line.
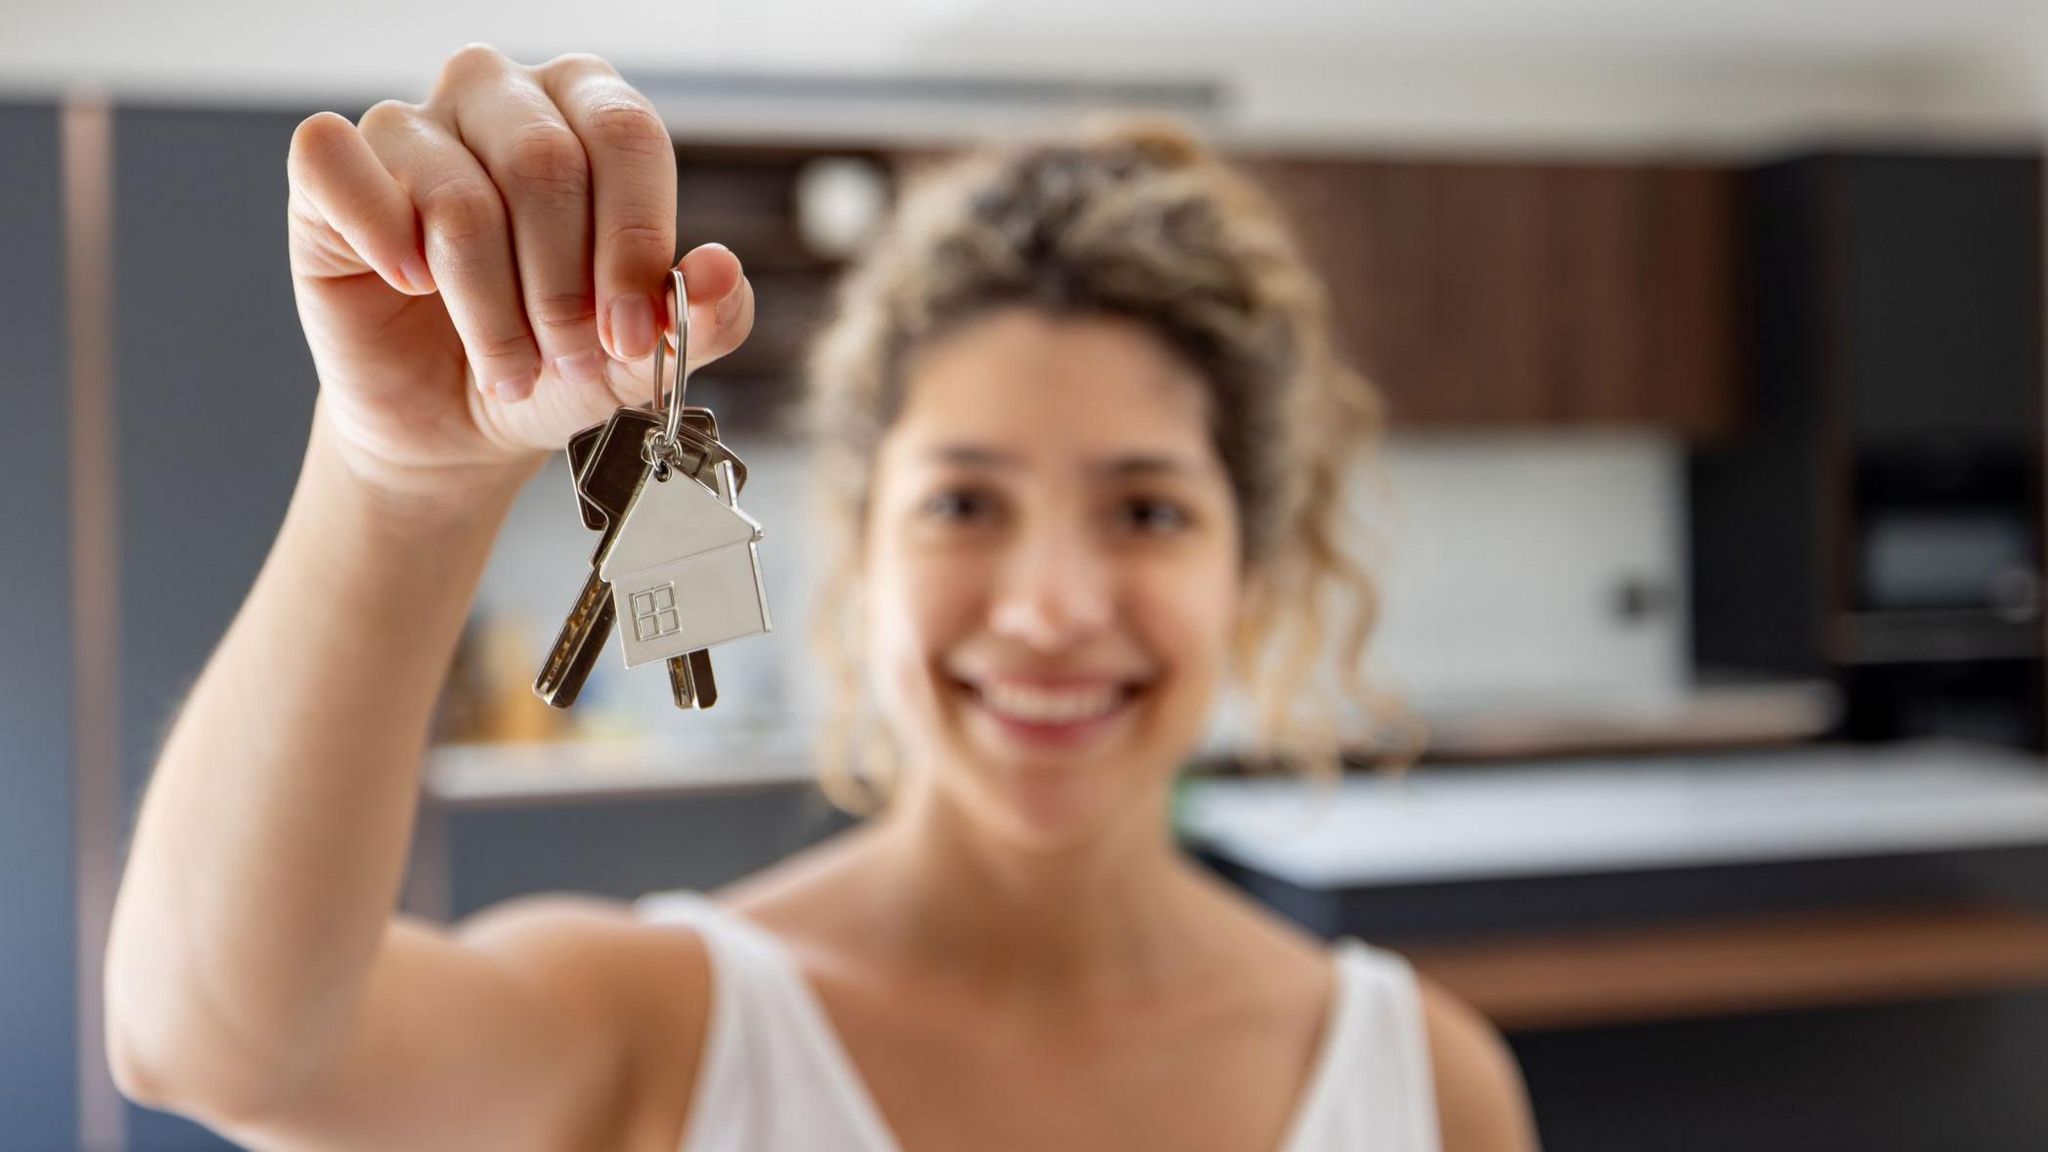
(608,950)
(1482,1104)
(649,975)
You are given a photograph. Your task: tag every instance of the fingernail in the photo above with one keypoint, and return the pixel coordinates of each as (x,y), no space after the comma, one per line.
(515,388)
(633,331)
(729,307)
(584,368)
(414,273)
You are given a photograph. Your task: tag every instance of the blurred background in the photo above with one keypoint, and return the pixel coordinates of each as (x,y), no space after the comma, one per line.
(1711,514)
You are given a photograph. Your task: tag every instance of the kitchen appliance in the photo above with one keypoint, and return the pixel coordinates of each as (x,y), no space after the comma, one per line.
(1878,519)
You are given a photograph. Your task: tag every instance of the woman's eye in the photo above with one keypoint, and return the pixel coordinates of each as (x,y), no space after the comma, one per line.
(1154,516)
(957,505)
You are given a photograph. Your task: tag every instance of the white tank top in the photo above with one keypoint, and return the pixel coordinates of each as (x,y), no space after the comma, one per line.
(775,1077)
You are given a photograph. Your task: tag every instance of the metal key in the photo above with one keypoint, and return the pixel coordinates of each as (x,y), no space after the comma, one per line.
(605,483)
(574,654)
(694,575)
(608,465)
(691,679)
(589,623)
(583,446)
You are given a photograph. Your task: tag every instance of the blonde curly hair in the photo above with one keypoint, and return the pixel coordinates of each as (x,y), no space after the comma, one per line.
(1139,221)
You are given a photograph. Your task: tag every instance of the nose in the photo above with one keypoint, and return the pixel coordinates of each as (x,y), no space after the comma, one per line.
(1055,589)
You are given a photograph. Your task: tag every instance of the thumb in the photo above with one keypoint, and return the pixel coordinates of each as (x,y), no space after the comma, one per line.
(721,314)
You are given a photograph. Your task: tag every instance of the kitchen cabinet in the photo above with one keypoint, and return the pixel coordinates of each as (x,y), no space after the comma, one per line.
(216,392)
(1879,520)
(745,197)
(39,955)
(1473,293)
(1537,295)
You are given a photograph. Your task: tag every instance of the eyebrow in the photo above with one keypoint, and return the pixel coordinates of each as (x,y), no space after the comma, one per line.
(1129,464)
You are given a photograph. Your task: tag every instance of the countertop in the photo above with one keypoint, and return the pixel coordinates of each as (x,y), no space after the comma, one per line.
(734,756)
(1574,817)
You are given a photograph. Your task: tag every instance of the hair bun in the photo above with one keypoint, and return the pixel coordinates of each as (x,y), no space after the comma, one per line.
(1161,141)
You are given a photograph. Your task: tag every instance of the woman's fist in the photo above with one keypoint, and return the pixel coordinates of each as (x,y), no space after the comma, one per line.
(483,274)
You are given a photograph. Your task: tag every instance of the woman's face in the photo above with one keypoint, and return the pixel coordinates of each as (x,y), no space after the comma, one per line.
(1051,555)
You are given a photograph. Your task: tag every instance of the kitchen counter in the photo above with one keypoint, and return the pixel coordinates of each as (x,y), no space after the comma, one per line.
(1577,817)
(1576,894)
(582,772)
(737,757)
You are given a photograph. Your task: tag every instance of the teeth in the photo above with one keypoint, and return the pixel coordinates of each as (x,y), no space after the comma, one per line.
(1038,706)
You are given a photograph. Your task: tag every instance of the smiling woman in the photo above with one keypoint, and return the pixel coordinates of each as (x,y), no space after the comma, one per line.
(1054,571)
(1083,451)
(1085,446)
(1222,354)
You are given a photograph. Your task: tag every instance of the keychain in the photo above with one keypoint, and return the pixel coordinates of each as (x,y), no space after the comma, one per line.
(677,565)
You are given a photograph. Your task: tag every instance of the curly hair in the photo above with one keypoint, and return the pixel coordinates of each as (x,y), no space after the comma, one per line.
(1136,220)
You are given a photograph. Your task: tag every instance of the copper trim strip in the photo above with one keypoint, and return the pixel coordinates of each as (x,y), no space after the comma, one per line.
(87,132)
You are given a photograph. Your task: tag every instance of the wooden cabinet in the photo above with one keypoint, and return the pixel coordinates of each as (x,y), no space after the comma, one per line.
(1473,294)
(1523,294)
(745,197)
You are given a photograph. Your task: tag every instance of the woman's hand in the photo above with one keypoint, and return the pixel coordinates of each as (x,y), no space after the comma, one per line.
(483,274)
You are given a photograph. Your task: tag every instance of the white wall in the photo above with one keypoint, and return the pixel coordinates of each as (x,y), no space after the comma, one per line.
(1505,553)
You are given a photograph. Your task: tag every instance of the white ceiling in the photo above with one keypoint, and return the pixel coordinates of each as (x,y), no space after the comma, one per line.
(1799,27)
(1540,72)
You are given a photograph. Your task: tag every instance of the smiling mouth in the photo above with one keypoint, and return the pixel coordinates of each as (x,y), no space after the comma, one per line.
(1051,708)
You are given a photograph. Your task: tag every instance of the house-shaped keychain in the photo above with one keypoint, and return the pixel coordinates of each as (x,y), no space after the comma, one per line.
(684,569)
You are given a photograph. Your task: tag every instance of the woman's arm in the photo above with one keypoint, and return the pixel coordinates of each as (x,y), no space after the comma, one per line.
(474,277)
(256,980)
(273,834)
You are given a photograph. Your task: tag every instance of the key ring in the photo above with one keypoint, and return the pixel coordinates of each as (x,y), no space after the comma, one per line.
(677,447)
(679,311)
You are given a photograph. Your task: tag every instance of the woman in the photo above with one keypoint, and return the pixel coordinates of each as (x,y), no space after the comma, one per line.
(1085,438)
